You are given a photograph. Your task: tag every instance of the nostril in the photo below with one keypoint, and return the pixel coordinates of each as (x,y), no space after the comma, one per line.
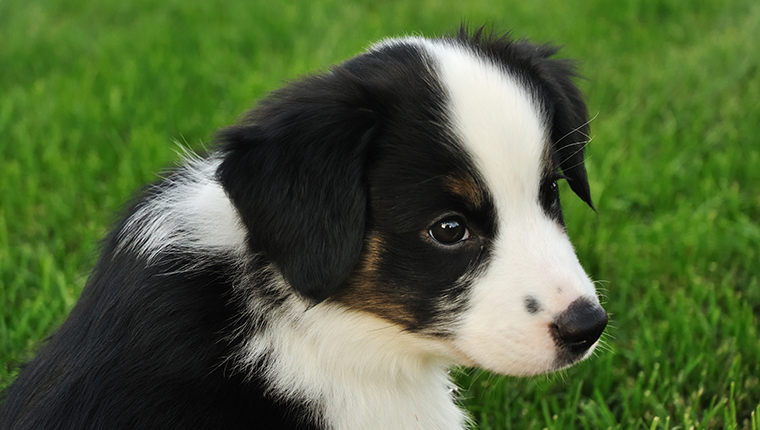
(579,326)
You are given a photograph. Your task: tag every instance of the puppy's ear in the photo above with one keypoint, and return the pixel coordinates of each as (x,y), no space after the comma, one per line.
(570,121)
(294,168)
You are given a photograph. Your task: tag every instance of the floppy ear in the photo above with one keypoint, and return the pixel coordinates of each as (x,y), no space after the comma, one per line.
(570,121)
(294,168)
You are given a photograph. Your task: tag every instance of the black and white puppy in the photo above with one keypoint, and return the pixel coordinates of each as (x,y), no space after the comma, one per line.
(353,236)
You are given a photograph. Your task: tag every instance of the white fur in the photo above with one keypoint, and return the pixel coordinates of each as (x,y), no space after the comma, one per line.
(356,370)
(500,124)
(195,215)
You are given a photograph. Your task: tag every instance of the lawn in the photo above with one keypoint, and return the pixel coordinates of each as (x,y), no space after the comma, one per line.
(94,96)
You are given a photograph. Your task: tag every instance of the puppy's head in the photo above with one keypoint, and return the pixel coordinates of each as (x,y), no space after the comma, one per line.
(418,182)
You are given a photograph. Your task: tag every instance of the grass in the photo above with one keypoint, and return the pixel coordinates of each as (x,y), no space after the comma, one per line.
(92,94)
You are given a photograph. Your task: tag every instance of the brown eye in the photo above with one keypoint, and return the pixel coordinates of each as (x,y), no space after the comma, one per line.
(449,231)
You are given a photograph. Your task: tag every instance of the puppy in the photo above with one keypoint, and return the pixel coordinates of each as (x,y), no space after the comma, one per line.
(351,238)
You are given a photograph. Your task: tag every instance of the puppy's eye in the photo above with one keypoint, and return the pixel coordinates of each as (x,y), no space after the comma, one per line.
(449,231)
(550,195)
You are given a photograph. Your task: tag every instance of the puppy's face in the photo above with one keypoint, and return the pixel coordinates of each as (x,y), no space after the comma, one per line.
(456,231)
(465,239)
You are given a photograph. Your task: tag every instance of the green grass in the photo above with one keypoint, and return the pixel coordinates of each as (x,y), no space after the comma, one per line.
(92,95)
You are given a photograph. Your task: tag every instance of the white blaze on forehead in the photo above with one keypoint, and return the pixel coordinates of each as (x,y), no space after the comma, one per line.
(496,119)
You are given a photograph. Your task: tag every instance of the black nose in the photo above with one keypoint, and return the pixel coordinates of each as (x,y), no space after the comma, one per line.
(579,326)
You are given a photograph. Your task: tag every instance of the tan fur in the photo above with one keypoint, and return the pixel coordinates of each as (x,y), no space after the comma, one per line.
(465,187)
(364,291)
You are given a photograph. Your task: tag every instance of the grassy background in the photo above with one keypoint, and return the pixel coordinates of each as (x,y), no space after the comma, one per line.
(92,94)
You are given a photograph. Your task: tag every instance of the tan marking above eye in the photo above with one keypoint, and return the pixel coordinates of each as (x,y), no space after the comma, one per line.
(465,187)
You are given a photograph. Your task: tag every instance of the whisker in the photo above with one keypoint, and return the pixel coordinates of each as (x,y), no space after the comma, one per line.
(575,165)
(584,143)
(577,129)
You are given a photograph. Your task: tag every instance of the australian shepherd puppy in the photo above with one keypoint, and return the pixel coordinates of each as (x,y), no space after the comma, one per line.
(351,238)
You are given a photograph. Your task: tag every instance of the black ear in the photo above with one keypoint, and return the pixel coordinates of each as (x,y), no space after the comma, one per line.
(294,168)
(570,121)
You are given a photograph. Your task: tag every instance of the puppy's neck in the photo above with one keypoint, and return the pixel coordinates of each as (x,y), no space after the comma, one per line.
(355,370)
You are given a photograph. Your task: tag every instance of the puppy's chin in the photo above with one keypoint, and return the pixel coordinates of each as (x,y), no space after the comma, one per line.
(552,360)
(510,363)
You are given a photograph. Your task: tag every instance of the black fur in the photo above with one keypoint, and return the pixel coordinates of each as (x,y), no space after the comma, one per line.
(143,348)
(303,147)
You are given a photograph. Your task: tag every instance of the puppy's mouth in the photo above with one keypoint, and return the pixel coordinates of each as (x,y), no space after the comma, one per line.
(541,365)
(570,337)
